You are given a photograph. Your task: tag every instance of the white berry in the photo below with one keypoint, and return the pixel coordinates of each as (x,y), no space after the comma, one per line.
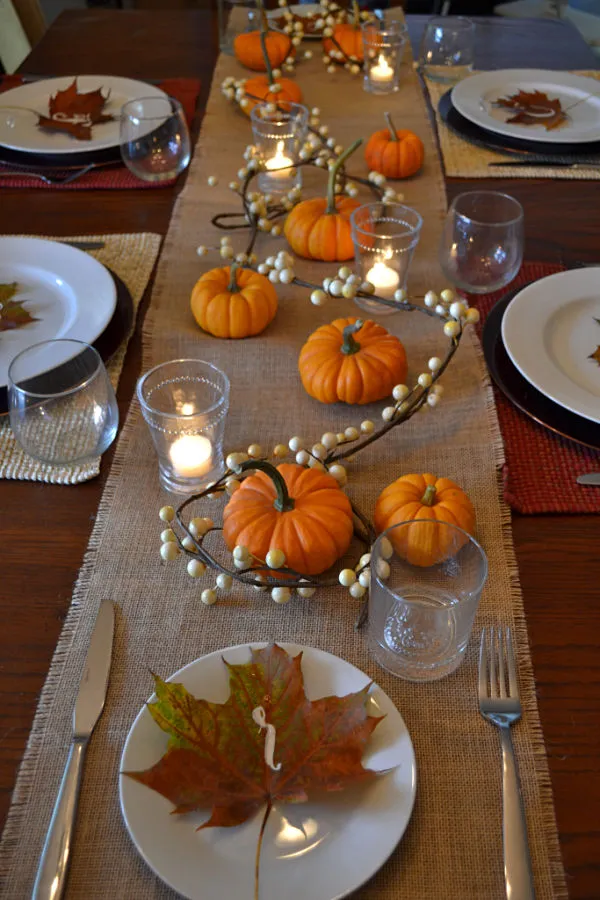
(212,181)
(303,457)
(357,591)
(208,596)
(281,594)
(472,316)
(319,451)
(431,299)
(167,514)
(169,551)
(280,451)
(383,569)
(196,568)
(255,451)
(275,559)
(318,297)
(434,363)
(167,535)
(347,577)
(224,581)
(351,433)
(451,329)
(400,392)
(457,310)
(367,427)
(385,548)
(425,380)
(329,440)
(240,552)
(339,473)
(388,413)
(296,443)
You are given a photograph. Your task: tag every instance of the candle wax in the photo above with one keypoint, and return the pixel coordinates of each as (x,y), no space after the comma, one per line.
(191,455)
(384,279)
(279,162)
(381,72)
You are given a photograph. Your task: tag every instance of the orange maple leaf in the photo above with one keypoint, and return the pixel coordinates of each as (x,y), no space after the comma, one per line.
(75,113)
(534,108)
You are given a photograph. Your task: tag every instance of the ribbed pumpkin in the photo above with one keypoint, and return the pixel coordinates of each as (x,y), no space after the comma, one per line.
(320,228)
(303,512)
(233,302)
(394,153)
(258,90)
(424,497)
(248,49)
(349,38)
(352,361)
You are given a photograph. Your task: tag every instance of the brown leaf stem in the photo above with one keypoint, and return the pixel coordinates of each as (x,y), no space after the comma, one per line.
(259,848)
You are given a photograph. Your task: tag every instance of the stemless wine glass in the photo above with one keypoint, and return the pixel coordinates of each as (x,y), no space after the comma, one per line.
(447,48)
(481,248)
(62,405)
(155,141)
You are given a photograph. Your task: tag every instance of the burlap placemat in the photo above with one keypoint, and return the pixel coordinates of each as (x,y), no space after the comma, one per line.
(453,846)
(465,160)
(132,258)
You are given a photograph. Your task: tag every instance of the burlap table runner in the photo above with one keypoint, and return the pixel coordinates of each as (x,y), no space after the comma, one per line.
(453,846)
(132,258)
(465,160)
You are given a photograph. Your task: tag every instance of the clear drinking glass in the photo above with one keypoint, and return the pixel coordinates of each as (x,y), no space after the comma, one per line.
(185,404)
(481,248)
(385,236)
(155,141)
(447,48)
(421,615)
(231,22)
(383,51)
(278,137)
(62,405)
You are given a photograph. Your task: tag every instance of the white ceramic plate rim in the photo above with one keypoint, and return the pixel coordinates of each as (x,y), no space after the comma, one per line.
(89,281)
(466,97)
(523,326)
(34,95)
(400,785)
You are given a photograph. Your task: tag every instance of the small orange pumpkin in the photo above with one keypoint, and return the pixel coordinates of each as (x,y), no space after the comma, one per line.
(396,154)
(248,49)
(352,361)
(347,38)
(258,90)
(233,302)
(303,512)
(320,228)
(424,497)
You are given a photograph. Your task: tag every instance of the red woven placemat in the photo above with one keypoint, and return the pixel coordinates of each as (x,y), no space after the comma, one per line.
(185,90)
(541,467)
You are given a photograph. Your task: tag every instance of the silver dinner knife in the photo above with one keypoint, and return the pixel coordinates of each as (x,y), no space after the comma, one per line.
(52,871)
(590,478)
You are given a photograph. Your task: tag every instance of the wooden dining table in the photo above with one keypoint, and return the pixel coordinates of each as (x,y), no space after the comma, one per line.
(45,528)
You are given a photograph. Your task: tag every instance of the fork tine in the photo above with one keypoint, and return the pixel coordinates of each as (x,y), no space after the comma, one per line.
(493,688)
(483,666)
(501,665)
(513,682)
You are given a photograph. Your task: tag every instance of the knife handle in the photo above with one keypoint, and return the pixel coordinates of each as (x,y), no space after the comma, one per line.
(52,871)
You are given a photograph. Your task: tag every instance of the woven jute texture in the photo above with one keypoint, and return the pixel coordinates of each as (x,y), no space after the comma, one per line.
(465,160)
(453,846)
(132,258)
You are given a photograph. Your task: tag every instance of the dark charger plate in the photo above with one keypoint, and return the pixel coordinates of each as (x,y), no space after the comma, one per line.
(36,162)
(111,338)
(466,129)
(520,392)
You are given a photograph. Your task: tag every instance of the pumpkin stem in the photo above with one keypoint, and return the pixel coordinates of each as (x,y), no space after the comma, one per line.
(428,498)
(349,344)
(356,12)
(232,287)
(333,175)
(263,39)
(283,502)
(391,126)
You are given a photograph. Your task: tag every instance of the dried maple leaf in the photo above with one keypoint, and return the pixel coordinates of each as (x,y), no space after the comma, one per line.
(75,113)
(533,108)
(219,758)
(12,312)
(595,355)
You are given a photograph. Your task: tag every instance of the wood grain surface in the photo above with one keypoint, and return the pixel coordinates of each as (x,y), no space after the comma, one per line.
(45,528)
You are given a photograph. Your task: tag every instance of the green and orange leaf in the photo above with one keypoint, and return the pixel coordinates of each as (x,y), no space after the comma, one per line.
(12,312)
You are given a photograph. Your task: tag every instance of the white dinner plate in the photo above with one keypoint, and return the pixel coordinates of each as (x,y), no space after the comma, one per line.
(474,97)
(19,108)
(69,293)
(321,851)
(549,330)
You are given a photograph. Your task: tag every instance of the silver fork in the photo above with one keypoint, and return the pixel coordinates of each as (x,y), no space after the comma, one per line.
(502,708)
(50,178)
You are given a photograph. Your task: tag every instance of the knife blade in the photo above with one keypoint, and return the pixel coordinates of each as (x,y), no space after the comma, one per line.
(52,871)
(589,478)
(547,164)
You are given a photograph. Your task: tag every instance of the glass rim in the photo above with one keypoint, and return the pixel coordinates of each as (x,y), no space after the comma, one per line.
(395,27)
(501,194)
(12,385)
(410,230)
(300,107)
(176,107)
(458,23)
(168,415)
(470,539)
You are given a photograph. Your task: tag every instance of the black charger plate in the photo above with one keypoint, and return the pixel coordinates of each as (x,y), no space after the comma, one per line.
(109,156)
(520,392)
(466,129)
(111,338)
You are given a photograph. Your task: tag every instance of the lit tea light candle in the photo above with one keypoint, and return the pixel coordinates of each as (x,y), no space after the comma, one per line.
(191,455)
(279,165)
(384,279)
(382,72)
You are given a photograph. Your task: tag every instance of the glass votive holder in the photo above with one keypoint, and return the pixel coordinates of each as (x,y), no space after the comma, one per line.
(426,580)
(62,405)
(185,404)
(385,236)
(383,52)
(278,138)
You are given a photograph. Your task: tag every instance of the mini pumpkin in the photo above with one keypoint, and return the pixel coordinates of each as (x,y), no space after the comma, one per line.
(352,361)
(248,49)
(258,90)
(301,511)
(233,303)
(424,497)
(347,38)
(396,154)
(319,228)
